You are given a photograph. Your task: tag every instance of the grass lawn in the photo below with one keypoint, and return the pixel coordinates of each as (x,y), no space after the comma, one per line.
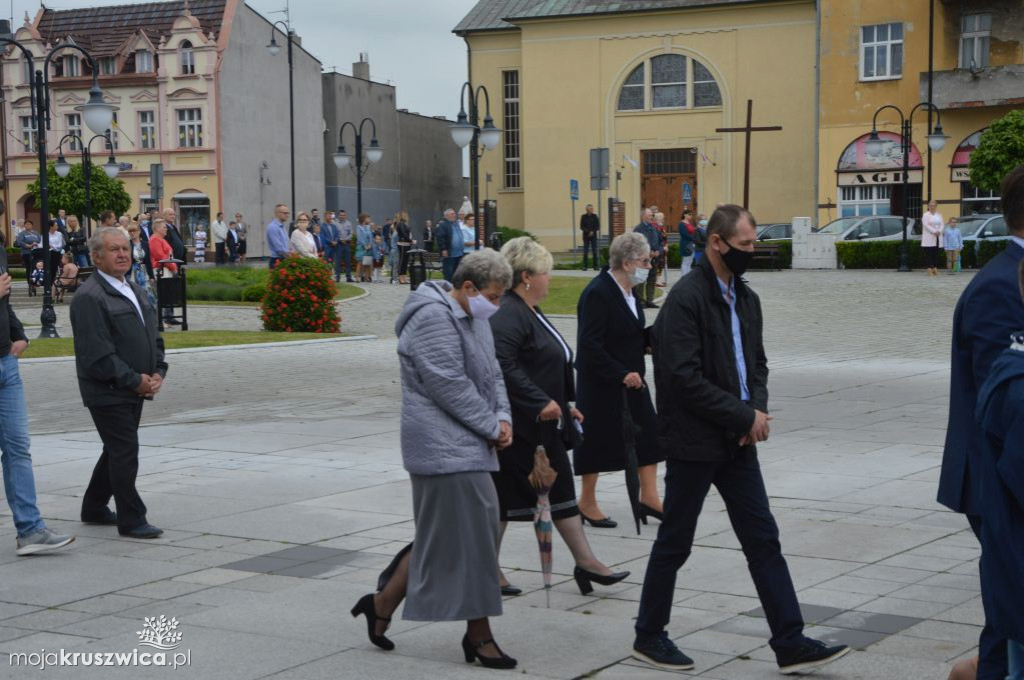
(345,292)
(64,347)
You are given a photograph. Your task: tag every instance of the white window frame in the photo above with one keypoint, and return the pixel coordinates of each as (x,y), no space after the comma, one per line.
(865,196)
(143,61)
(687,76)
(512,122)
(71,65)
(689,85)
(190,120)
(887,47)
(74,125)
(28,132)
(975,29)
(147,130)
(187,57)
(108,66)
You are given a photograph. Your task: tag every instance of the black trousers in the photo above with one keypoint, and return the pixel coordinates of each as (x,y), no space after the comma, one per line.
(992,652)
(645,291)
(221,253)
(30,263)
(590,244)
(741,486)
(118,466)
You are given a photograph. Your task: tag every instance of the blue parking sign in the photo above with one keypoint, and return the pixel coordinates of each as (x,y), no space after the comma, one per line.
(574,190)
(687,192)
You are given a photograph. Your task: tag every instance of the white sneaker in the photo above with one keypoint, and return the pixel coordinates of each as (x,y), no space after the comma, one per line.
(43,540)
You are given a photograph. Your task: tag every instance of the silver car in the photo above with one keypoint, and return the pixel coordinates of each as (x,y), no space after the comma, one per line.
(974,228)
(870,228)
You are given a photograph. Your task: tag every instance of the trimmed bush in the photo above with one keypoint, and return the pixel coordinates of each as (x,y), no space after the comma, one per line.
(886,254)
(783,260)
(254,293)
(300,297)
(508,233)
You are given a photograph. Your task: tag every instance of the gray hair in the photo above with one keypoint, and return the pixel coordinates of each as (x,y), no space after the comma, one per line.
(483,268)
(626,247)
(526,255)
(98,238)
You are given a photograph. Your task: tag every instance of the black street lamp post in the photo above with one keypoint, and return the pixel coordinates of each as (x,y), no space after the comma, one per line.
(274,49)
(465,131)
(98,117)
(374,152)
(936,140)
(63,168)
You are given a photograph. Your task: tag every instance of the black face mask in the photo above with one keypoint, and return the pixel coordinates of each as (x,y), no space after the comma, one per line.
(737,260)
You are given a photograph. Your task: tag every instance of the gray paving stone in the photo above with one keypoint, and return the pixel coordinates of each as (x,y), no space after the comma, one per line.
(875,623)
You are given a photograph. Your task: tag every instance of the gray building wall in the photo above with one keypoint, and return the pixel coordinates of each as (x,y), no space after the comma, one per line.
(431,167)
(348,99)
(254,126)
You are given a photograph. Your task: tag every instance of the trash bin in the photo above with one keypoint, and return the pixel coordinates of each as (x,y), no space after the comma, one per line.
(495,241)
(171,292)
(417,268)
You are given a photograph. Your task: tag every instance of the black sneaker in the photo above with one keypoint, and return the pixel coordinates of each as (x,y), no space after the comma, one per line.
(661,652)
(809,655)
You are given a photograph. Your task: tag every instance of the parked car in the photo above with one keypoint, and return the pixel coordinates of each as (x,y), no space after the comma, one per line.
(776,231)
(977,227)
(870,228)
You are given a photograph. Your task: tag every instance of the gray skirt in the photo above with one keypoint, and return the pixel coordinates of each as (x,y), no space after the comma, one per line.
(453,572)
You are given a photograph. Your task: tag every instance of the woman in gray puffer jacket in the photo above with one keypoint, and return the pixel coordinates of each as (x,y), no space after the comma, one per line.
(455,414)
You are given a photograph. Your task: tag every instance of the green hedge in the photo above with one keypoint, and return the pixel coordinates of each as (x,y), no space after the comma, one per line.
(508,233)
(886,254)
(227,284)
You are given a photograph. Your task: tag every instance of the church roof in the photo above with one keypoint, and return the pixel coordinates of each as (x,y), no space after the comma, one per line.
(494,15)
(102,30)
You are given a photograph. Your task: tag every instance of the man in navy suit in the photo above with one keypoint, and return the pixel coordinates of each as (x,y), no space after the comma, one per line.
(989,311)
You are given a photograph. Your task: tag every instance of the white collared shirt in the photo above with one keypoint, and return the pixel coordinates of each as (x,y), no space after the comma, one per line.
(626,293)
(124,288)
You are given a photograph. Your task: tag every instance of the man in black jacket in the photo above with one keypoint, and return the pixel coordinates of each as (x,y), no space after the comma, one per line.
(711,375)
(178,250)
(648,230)
(119,358)
(590,225)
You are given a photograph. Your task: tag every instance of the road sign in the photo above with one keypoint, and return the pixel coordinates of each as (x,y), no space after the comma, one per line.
(574,190)
(687,192)
(598,169)
(124,167)
(156,181)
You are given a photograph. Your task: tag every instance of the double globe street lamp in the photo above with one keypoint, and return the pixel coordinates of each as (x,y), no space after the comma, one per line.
(467,131)
(373,153)
(874,146)
(110,168)
(274,50)
(98,116)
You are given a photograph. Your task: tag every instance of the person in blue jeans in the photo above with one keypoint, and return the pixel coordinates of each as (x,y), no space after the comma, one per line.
(450,243)
(19,480)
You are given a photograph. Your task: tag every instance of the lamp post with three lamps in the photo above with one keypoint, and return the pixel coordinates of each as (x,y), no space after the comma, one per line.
(274,50)
(936,140)
(98,117)
(63,168)
(374,152)
(465,132)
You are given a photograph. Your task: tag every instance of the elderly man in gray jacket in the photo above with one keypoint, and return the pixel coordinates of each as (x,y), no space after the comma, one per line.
(455,413)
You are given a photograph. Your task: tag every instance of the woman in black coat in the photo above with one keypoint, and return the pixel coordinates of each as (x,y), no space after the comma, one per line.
(536,363)
(611,344)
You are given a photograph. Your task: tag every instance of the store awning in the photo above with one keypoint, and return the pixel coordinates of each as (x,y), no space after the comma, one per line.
(958,169)
(858,167)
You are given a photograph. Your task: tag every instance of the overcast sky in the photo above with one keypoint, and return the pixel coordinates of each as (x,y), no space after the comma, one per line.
(410,42)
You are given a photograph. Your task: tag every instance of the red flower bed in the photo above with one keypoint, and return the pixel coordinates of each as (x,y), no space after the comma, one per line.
(300,297)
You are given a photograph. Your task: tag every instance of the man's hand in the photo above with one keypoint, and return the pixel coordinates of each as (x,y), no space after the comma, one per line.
(145,385)
(156,382)
(504,439)
(18,346)
(575,414)
(5,285)
(759,432)
(633,381)
(444,253)
(550,412)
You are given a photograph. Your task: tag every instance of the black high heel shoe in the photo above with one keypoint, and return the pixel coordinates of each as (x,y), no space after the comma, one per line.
(606,523)
(472,651)
(584,577)
(647,511)
(366,608)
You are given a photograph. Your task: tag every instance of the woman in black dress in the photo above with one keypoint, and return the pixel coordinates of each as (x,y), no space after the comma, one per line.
(403,238)
(536,363)
(611,344)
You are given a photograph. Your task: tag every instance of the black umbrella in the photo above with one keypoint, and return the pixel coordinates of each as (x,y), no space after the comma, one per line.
(629,449)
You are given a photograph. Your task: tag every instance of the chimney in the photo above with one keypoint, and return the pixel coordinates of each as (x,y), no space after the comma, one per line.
(361,69)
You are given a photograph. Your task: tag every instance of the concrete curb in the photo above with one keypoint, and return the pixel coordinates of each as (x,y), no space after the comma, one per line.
(252,345)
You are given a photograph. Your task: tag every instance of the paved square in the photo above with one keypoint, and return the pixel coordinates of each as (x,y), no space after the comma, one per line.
(283,496)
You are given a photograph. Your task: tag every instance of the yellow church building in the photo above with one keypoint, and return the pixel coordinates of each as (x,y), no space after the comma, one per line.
(657,83)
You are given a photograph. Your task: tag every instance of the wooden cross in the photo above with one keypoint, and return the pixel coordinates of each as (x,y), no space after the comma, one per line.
(749,128)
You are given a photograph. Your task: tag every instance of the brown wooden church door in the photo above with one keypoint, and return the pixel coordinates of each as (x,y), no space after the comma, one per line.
(669,176)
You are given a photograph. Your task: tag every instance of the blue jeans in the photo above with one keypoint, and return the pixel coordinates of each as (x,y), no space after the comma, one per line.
(343,254)
(19,482)
(1015,652)
(741,486)
(82,260)
(449,265)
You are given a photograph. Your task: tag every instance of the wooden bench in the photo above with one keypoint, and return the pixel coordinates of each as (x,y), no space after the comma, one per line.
(768,251)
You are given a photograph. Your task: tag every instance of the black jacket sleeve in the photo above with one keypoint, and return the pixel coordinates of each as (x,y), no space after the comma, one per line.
(95,350)
(511,332)
(592,357)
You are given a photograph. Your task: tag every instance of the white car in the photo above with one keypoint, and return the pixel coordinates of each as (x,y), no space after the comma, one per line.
(974,228)
(870,228)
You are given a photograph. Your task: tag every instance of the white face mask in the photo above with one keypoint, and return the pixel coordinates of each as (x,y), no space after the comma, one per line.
(639,276)
(481,308)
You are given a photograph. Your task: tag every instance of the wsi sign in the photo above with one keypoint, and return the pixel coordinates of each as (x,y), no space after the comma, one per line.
(960,174)
(854,179)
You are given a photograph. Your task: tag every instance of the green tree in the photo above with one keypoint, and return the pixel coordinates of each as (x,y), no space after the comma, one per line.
(68,193)
(1001,150)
